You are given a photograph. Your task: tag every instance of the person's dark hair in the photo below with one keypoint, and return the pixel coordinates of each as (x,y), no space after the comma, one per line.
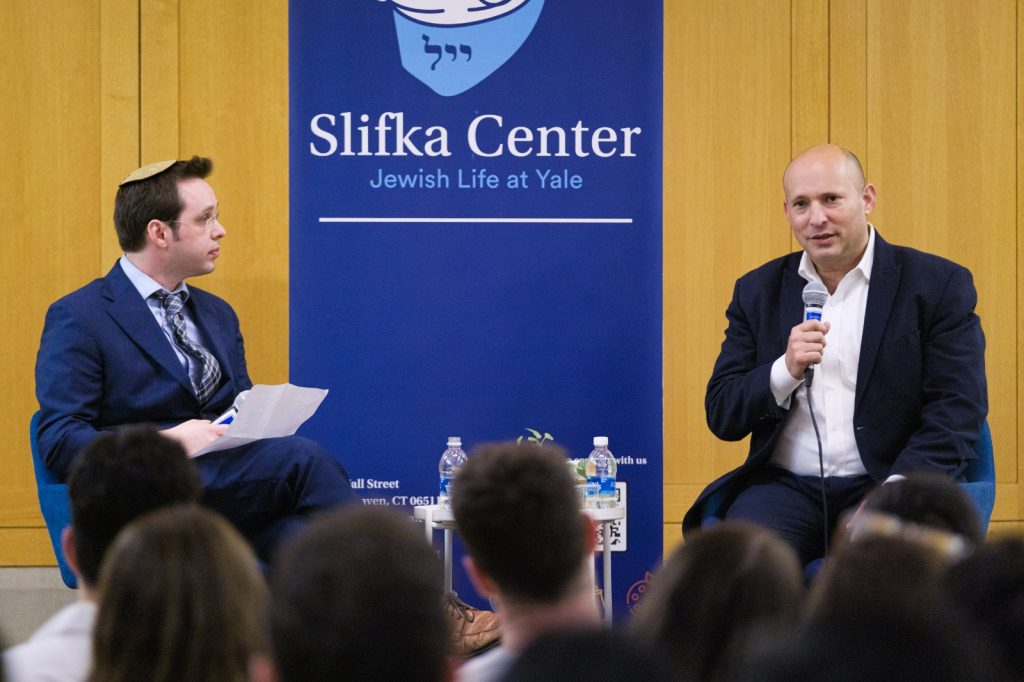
(716,591)
(357,595)
(878,577)
(118,477)
(597,655)
(181,598)
(155,198)
(876,650)
(988,589)
(931,500)
(518,514)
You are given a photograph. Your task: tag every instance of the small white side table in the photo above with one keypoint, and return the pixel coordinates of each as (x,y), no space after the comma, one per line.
(435,517)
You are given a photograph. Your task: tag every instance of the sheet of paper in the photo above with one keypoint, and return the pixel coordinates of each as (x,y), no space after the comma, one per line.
(269,412)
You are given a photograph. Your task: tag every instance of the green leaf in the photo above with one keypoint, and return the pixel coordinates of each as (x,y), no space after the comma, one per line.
(548,436)
(536,434)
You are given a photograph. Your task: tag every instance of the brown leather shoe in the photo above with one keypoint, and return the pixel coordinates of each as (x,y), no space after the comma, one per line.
(472,630)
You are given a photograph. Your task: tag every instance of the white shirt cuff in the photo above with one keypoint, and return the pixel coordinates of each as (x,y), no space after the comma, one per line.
(782,383)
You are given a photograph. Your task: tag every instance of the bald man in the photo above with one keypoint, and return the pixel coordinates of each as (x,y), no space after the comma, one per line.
(899,370)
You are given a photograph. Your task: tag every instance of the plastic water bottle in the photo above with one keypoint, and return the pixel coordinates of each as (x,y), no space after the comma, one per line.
(601,469)
(452,459)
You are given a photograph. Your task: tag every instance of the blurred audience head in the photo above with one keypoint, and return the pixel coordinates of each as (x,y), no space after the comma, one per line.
(181,598)
(716,591)
(120,476)
(930,500)
(597,655)
(882,650)
(357,596)
(518,514)
(878,577)
(987,588)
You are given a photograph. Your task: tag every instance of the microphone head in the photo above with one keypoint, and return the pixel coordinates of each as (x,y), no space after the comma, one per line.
(815,294)
(239,399)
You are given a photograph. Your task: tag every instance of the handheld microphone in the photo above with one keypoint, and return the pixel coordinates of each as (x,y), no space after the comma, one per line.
(815,294)
(229,415)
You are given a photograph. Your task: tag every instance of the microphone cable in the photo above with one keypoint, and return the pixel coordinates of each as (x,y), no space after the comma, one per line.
(808,378)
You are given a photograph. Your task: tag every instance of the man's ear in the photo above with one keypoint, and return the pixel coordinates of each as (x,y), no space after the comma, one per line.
(869,196)
(67,545)
(159,232)
(481,581)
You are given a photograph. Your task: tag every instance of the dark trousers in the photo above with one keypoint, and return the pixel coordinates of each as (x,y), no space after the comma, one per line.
(791,506)
(268,489)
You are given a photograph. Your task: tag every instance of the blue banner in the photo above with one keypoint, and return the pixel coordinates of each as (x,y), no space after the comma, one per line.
(476,238)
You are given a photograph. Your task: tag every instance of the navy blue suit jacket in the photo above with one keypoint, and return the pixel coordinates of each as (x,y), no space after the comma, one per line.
(104,361)
(921,394)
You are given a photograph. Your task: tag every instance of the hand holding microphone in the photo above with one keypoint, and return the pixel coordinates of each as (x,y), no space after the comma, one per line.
(807,339)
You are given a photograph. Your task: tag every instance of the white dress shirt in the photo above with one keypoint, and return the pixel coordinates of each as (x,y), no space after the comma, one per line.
(835,381)
(147,286)
(59,651)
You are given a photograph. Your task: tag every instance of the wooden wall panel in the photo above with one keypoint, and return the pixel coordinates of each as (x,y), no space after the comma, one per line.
(233,89)
(1019,281)
(847,58)
(119,119)
(727,141)
(941,148)
(926,93)
(49,122)
(159,79)
(925,90)
(809,78)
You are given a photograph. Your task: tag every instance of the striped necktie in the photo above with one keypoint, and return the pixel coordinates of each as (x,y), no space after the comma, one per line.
(210,375)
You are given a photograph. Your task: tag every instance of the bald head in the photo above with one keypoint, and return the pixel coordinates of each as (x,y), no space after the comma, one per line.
(828,153)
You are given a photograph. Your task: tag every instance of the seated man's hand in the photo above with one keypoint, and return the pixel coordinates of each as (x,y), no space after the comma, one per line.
(195,434)
(806,346)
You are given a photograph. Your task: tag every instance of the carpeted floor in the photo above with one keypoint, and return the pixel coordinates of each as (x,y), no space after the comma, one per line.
(28,596)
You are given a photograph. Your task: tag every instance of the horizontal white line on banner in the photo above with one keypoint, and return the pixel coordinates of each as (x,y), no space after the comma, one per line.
(628,221)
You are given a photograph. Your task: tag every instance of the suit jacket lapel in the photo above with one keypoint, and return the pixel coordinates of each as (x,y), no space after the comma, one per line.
(885,277)
(133,316)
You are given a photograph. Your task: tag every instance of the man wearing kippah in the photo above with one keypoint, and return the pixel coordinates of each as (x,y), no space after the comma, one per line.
(141,345)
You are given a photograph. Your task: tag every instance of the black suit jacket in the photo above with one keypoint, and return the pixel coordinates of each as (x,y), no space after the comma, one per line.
(921,393)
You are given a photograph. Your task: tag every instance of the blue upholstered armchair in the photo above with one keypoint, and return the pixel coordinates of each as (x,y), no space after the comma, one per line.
(53,503)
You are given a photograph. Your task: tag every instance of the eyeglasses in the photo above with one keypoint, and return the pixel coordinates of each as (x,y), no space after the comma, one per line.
(205,224)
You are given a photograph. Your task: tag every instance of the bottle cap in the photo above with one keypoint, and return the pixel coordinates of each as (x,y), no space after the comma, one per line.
(600,441)
(454,442)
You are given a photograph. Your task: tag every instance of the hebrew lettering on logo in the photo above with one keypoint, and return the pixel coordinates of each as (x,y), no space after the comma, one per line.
(453,50)
(431,49)
(471,37)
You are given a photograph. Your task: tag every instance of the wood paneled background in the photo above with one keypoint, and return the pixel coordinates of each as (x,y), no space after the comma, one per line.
(925,91)
(92,90)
